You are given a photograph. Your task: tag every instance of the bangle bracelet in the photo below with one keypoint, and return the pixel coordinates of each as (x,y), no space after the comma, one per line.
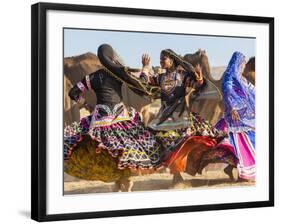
(81,86)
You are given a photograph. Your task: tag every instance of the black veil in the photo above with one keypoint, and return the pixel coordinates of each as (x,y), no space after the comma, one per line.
(115,66)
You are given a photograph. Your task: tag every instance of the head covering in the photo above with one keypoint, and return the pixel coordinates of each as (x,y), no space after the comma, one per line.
(234,65)
(238,93)
(207,91)
(116,67)
(179,61)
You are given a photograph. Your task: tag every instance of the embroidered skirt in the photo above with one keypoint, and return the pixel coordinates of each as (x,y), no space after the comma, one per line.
(120,132)
(194,146)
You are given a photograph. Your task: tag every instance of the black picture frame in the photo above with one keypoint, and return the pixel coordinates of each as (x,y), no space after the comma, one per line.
(38,110)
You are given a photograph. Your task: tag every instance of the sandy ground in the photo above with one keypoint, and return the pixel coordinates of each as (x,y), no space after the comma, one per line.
(157,181)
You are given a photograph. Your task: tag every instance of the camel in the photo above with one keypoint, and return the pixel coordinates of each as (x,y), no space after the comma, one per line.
(210,108)
(75,68)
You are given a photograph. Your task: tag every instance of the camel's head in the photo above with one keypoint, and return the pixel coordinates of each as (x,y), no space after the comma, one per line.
(199,57)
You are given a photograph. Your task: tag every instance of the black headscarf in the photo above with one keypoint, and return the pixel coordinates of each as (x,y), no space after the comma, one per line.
(208,90)
(116,67)
(179,61)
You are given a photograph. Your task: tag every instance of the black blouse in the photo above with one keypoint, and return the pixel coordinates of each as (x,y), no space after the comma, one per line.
(107,88)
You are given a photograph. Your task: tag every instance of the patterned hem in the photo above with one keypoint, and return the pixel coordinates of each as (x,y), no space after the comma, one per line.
(122,164)
(133,145)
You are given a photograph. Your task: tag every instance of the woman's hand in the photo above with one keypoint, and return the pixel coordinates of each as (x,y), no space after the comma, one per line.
(198,73)
(146,75)
(235,116)
(145,60)
(88,107)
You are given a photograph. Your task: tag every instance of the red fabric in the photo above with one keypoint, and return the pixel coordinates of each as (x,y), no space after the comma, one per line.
(192,148)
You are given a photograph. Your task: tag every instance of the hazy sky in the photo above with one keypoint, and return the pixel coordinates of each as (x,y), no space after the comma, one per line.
(131,45)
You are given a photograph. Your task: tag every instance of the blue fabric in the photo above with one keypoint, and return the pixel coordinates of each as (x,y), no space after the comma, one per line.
(238,94)
(251,135)
(232,142)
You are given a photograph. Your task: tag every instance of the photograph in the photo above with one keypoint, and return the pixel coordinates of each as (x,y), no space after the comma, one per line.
(158,111)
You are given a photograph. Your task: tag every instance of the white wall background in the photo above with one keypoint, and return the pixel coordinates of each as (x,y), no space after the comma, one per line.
(15,110)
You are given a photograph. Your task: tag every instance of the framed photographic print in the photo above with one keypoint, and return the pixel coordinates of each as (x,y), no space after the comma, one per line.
(140,111)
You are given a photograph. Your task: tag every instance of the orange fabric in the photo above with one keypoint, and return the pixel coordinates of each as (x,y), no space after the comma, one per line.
(195,144)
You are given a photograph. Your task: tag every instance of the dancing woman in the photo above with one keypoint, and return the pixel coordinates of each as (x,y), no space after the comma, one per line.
(239,115)
(184,135)
(114,128)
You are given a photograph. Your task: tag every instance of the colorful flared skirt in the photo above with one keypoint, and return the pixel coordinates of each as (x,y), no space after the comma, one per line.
(120,133)
(243,141)
(192,148)
(244,145)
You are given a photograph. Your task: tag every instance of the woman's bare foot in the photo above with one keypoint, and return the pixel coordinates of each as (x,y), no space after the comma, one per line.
(231,172)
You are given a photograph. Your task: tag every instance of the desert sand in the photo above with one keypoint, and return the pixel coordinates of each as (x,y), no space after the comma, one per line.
(213,178)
